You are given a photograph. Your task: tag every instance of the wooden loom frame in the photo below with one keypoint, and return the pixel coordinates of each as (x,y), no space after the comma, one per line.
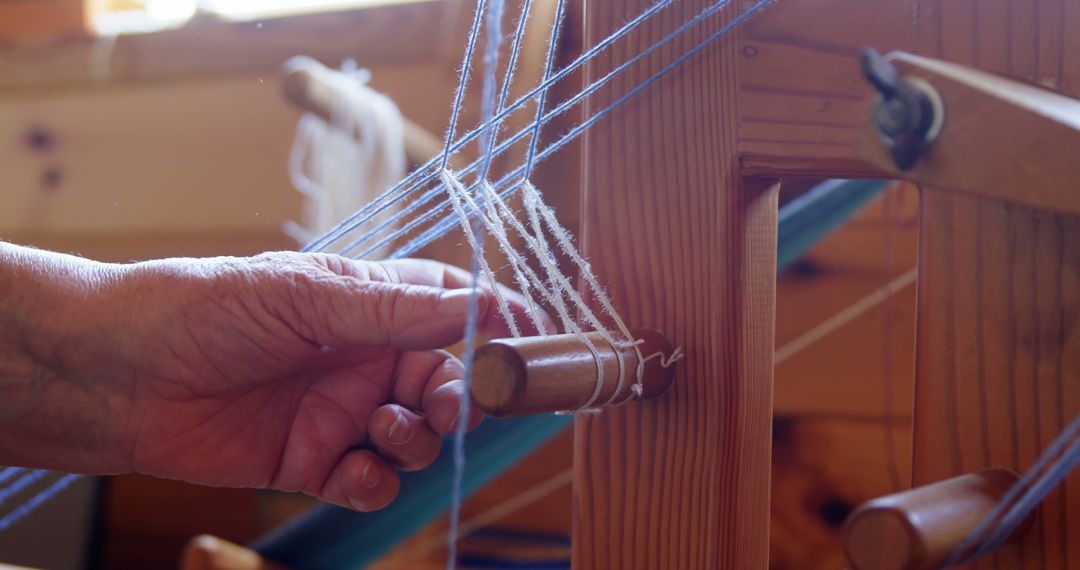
(680,217)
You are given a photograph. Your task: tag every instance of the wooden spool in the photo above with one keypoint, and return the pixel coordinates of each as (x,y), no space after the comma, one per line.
(535,375)
(919,529)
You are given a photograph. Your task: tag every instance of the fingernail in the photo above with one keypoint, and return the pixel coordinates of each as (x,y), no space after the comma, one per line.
(459,416)
(369,477)
(400,431)
(445,400)
(454,303)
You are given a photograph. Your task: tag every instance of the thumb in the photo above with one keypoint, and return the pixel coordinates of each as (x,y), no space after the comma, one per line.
(406,316)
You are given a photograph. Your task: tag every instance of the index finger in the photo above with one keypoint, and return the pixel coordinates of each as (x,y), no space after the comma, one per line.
(438,274)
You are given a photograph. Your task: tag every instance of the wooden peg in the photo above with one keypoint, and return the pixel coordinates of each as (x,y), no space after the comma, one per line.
(535,375)
(206,552)
(918,529)
(306,84)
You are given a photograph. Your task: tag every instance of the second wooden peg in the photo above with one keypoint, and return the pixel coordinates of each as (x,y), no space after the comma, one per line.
(535,375)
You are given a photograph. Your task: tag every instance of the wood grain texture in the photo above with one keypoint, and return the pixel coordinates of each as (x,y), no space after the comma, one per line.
(801,94)
(996,303)
(687,247)
(918,529)
(823,467)
(800,91)
(553,373)
(998,353)
(1002,138)
(782,97)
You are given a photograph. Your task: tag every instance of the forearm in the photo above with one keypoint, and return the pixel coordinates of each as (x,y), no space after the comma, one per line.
(50,417)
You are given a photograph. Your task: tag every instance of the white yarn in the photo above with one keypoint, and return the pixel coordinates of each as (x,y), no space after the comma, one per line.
(457,194)
(557,289)
(342,164)
(525,277)
(535,204)
(559,286)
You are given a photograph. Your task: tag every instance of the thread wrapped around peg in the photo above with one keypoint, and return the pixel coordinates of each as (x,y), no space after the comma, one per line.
(534,375)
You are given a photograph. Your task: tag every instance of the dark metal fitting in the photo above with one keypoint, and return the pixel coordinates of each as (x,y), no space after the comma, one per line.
(908,112)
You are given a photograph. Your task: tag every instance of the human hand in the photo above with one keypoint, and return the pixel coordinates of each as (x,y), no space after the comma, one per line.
(299,372)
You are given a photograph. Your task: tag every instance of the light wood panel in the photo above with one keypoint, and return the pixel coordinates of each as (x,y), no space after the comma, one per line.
(845,372)
(688,247)
(36,21)
(206,154)
(380,35)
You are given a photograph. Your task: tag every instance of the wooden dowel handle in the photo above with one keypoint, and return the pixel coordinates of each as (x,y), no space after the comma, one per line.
(305,84)
(535,375)
(918,529)
(206,552)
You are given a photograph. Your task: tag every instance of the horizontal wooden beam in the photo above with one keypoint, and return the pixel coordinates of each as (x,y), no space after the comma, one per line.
(373,36)
(1000,139)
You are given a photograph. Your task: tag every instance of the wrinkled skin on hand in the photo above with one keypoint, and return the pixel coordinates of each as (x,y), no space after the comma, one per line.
(299,372)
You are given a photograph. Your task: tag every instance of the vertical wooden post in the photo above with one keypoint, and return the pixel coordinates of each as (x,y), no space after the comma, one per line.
(999,353)
(998,365)
(998,303)
(686,246)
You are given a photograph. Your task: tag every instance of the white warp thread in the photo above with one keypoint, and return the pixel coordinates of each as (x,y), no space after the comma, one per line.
(556,290)
(456,192)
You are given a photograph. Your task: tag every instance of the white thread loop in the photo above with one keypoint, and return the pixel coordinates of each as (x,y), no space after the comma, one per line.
(342,163)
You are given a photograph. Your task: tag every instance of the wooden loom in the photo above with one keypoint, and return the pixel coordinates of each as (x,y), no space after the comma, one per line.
(680,206)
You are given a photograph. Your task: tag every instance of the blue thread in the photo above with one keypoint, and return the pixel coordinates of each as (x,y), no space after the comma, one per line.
(561,108)
(508,79)
(463,82)
(37,500)
(541,99)
(447,223)
(1057,461)
(9,472)
(487,97)
(471,323)
(21,484)
(491,63)
(373,208)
